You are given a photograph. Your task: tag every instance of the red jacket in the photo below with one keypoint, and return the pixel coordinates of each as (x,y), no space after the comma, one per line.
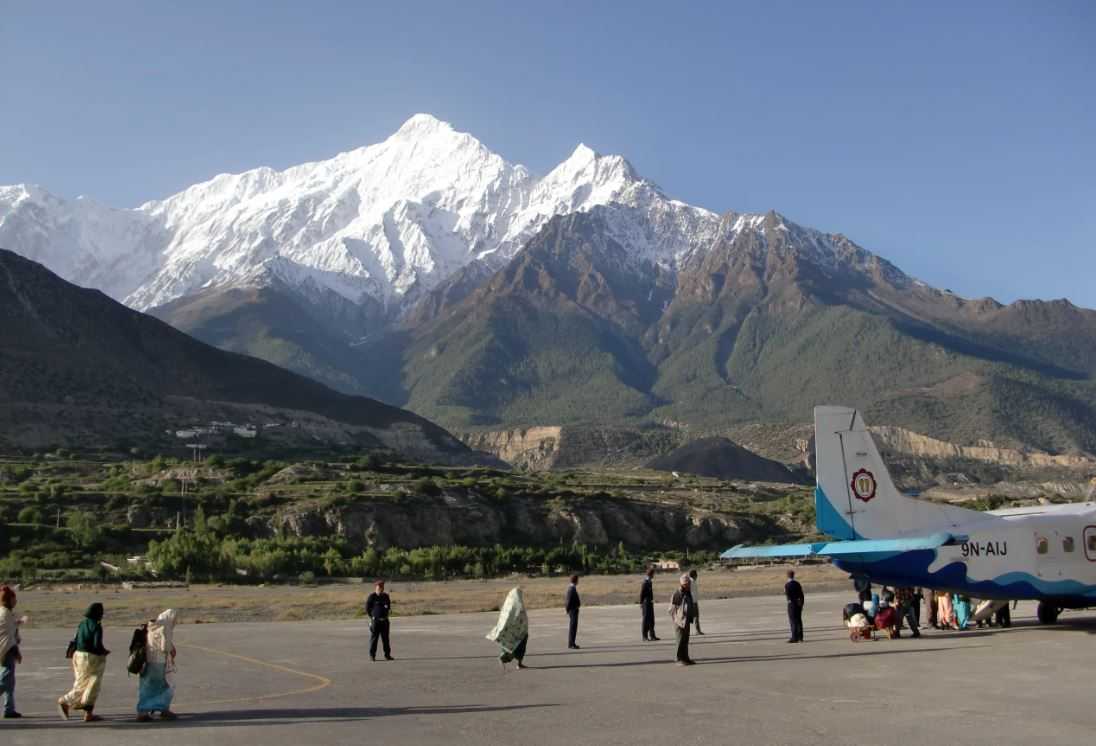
(886,617)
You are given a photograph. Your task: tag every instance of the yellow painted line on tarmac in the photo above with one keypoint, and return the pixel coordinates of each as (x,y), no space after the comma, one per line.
(322,682)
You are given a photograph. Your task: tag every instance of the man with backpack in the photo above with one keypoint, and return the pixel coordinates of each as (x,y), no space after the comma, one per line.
(377,608)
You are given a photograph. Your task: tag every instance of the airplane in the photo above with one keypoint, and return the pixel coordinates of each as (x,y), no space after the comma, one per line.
(1045,553)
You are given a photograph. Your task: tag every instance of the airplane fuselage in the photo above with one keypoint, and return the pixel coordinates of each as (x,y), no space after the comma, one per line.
(1043,553)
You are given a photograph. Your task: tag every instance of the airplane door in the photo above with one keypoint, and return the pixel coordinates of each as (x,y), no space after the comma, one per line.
(1046,564)
(1090,543)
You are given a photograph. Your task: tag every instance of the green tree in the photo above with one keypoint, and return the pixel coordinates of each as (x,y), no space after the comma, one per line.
(333,562)
(84,528)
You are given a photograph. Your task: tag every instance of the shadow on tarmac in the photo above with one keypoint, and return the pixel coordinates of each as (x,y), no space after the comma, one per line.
(755,658)
(277,716)
(712,638)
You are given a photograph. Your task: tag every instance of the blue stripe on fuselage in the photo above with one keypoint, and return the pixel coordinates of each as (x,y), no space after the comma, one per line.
(912,569)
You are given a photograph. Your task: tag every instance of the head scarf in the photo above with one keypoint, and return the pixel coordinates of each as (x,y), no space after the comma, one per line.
(95,612)
(160,637)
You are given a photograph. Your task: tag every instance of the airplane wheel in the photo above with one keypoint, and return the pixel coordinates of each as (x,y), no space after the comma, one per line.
(1047,613)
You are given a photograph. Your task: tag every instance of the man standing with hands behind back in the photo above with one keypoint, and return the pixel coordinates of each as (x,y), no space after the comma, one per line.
(572,605)
(377,608)
(793,591)
(647,605)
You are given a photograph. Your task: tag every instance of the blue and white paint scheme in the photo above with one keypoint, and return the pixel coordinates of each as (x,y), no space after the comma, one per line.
(1046,553)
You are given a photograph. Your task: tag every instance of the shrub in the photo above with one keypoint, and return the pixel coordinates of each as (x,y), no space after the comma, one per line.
(426,486)
(30,515)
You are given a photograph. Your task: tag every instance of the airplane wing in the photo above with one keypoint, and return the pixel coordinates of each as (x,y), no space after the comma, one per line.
(866,549)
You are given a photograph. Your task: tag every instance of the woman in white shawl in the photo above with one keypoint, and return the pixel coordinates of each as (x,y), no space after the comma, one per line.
(155,689)
(512,630)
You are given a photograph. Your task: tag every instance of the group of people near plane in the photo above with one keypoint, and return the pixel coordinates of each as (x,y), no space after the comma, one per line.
(889,610)
(152,653)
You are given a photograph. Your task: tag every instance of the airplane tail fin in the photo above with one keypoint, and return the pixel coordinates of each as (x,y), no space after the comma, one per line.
(855,497)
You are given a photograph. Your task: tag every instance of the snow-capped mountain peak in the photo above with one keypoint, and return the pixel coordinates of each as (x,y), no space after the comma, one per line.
(383,222)
(418,124)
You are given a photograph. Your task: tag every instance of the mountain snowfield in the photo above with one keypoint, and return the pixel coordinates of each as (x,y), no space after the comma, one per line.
(386,222)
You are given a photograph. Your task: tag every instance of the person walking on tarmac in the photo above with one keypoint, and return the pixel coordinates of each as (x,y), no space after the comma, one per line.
(647,605)
(377,608)
(681,611)
(793,591)
(572,604)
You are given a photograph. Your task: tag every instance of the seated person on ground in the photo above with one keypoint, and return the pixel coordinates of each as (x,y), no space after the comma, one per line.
(886,619)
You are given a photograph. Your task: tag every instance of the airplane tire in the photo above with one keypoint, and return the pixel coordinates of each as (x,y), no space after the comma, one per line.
(1047,613)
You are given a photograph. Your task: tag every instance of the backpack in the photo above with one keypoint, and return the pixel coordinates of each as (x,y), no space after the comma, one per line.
(138,650)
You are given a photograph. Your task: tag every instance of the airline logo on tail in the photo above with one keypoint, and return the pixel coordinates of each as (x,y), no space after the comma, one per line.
(863,485)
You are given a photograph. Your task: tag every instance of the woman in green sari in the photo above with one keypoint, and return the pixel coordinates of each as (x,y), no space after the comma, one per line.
(511,632)
(89,661)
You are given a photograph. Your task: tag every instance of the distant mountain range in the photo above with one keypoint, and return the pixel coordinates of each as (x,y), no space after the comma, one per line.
(430,273)
(79,369)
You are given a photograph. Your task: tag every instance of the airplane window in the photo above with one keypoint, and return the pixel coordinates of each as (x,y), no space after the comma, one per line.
(1067,544)
(1041,545)
(1092,542)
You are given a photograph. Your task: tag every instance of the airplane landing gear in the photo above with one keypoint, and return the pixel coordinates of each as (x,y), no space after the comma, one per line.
(1047,613)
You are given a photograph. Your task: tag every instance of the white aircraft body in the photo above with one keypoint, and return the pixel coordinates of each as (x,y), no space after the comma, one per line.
(1045,553)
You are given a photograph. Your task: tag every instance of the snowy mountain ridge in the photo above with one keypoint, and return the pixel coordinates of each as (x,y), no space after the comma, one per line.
(385,222)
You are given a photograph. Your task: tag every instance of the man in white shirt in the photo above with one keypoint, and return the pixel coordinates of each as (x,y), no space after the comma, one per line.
(695,589)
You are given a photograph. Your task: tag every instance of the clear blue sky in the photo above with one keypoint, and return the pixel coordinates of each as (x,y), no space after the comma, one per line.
(956,139)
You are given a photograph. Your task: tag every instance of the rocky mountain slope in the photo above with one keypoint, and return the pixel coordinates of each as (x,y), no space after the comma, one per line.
(77,368)
(721,458)
(769,320)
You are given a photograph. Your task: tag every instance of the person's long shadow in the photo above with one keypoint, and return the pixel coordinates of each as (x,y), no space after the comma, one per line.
(754,658)
(276,716)
(708,638)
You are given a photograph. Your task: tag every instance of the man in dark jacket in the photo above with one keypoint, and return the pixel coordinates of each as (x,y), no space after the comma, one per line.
(794,593)
(573,604)
(907,598)
(377,608)
(647,605)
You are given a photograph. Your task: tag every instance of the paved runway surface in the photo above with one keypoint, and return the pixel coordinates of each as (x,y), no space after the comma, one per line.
(312,683)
